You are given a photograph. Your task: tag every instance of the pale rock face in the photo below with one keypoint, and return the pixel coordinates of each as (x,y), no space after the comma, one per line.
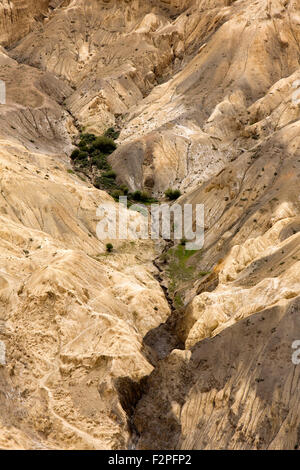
(238,390)
(73,319)
(18,17)
(205,94)
(210,313)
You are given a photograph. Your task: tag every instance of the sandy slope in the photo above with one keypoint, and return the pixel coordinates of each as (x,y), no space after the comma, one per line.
(203,92)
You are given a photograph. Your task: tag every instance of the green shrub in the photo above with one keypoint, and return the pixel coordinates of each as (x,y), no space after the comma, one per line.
(117,193)
(87,138)
(110,174)
(142,196)
(112,133)
(172,194)
(145,197)
(83,146)
(109,247)
(103,182)
(92,151)
(82,155)
(137,195)
(75,154)
(124,189)
(99,160)
(105,144)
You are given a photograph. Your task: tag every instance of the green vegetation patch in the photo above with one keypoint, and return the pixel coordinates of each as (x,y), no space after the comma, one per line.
(91,154)
(182,270)
(178,268)
(172,194)
(90,157)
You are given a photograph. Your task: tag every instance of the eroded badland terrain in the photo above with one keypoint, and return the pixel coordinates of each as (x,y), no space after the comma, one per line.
(149,347)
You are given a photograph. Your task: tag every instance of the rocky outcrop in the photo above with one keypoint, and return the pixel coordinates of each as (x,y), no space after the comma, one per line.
(17,18)
(238,390)
(73,318)
(190,127)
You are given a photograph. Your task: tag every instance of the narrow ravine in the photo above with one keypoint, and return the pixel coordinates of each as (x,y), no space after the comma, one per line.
(163,339)
(158,344)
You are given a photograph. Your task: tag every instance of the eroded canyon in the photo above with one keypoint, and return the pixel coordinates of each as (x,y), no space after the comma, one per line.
(143,348)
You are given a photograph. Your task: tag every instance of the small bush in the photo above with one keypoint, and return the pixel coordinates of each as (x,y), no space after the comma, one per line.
(116,194)
(82,155)
(105,183)
(142,196)
(172,194)
(82,163)
(137,196)
(110,174)
(105,144)
(87,138)
(99,160)
(82,146)
(109,247)
(124,189)
(92,152)
(145,197)
(75,154)
(112,133)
